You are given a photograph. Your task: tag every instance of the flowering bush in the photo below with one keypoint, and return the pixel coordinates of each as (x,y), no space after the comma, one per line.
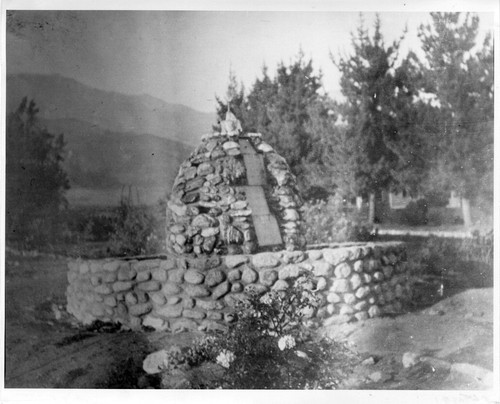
(269,347)
(286,342)
(225,358)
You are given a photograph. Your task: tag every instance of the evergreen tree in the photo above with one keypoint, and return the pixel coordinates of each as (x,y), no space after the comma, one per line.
(280,110)
(35,179)
(368,85)
(259,102)
(235,98)
(296,90)
(462,80)
(413,118)
(330,165)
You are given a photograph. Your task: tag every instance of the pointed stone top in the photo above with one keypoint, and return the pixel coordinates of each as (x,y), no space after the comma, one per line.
(231,125)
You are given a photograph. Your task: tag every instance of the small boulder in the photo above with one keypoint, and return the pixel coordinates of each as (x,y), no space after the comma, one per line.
(155,362)
(410,359)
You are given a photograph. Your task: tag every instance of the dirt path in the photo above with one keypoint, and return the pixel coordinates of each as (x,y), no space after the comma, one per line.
(44,349)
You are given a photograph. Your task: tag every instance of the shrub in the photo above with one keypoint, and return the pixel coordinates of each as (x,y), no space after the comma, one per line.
(415,213)
(269,347)
(333,220)
(138,230)
(439,258)
(441,266)
(316,193)
(437,198)
(438,252)
(479,248)
(99,227)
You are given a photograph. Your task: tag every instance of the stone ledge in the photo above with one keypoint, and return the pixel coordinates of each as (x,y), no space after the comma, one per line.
(354,281)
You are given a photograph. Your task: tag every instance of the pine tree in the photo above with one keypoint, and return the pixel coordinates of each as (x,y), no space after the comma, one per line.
(462,81)
(279,109)
(297,89)
(413,118)
(259,103)
(35,179)
(235,99)
(330,165)
(368,85)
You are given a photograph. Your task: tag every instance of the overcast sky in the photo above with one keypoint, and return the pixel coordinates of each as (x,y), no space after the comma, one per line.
(185,56)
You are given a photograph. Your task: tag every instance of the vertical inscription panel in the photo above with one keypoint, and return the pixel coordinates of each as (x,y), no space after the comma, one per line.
(265,224)
(267,230)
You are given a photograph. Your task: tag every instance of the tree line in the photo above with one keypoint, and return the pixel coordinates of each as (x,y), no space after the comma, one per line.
(422,127)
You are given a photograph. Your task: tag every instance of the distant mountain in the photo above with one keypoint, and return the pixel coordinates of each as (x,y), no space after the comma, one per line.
(64,98)
(100,163)
(113,141)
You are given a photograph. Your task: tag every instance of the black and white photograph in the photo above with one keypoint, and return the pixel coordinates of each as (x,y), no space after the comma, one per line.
(281,196)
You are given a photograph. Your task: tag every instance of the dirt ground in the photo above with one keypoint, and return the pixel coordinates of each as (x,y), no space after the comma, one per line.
(448,337)
(453,340)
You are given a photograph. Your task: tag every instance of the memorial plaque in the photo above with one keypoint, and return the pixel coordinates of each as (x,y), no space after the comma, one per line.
(256,199)
(265,224)
(254,163)
(267,230)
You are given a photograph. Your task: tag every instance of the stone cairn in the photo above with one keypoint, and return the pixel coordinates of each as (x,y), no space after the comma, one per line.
(233,228)
(208,211)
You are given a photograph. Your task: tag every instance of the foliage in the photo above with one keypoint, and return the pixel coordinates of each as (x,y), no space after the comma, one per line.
(258,103)
(438,254)
(296,89)
(316,193)
(437,198)
(92,224)
(35,179)
(416,213)
(440,267)
(279,108)
(96,232)
(412,128)
(461,78)
(333,220)
(331,165)
(235,98)
(137,231)
(479,248)
(99,228)
(368,84)
(268,347)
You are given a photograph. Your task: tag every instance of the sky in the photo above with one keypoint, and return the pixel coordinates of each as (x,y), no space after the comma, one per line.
(185,57)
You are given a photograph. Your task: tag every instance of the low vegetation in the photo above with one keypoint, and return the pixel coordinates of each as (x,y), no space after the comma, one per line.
(334,220)
(268,346)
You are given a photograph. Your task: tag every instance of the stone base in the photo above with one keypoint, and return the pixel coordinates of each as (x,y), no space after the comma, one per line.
(356,282)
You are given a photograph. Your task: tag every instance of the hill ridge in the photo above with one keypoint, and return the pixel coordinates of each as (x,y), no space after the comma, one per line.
(60,97)
(103,156)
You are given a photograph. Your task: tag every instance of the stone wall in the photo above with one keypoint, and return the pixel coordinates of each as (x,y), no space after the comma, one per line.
(355,282)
